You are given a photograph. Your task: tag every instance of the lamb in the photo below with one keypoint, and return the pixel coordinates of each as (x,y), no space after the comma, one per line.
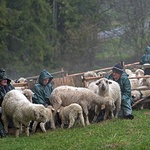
(110,89)
(66,95)
(28,93)
(16,106)
(70,113)
(50,111)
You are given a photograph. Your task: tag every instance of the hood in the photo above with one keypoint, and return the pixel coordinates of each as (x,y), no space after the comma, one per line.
(3,75)
(147,50)
(44,75)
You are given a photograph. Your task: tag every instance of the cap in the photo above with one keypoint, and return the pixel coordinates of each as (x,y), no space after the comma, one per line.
(118,68)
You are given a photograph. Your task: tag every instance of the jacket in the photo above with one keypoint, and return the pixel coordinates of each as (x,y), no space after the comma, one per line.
(42,92)
(4,90)
(146,57)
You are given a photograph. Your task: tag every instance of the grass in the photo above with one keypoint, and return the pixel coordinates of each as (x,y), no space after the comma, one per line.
(115,134)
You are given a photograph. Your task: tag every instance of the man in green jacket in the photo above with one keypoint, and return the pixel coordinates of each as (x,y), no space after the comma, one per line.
(5,87)
(121,77)
(43,89)
(146,60)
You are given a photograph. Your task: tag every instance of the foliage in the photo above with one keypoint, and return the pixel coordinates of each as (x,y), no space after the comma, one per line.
(51,34)
(113,134)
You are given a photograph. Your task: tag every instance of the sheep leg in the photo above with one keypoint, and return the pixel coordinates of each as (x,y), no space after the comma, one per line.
(106,114)
(27,130)
(81,118)
(85,110)
(52,123)
(5,121)
(71,121)
(42,125)
(17,126)
(62,122)
(34,126)
(112,114)
(117,108)
(97,111)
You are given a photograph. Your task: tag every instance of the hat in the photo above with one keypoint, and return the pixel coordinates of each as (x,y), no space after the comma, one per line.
(3,75)
(118,68)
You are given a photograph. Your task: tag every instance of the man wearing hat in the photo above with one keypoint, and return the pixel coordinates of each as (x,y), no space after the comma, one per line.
(5,87)
(121,77)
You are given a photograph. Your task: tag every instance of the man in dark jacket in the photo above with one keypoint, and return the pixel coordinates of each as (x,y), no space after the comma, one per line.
(146,60)
(43,89)
(121,77)
(5,87)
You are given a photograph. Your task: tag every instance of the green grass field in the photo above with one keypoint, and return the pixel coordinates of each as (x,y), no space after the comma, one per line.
(115,134)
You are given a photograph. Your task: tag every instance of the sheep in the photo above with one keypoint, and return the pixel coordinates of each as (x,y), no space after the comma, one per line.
(129,72)
(70,113)
(145,81)
(139,94)
(50,111)
(110,89)
(89,74)
(28,93)
(17,107)
(21,80)
(66,95)
(139,73)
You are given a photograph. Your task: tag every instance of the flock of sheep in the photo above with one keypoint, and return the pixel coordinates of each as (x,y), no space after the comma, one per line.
(71,103)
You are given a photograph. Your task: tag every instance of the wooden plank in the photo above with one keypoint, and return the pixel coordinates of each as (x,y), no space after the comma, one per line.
(143,66)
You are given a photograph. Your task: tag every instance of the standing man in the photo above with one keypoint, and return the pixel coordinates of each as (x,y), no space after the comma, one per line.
(146,60)
(5,87)
(121,77)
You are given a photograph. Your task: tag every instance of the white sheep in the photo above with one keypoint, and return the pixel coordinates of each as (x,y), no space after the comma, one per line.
(89,74)
(129,72)
(140,93)
(28,94)
(139,73)
(110,89)
(50,113)
(21,80)
(145,81)
(16,106)
(66,95)
(70,114)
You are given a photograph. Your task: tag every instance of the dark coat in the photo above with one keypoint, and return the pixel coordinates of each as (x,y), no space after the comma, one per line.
(42,92)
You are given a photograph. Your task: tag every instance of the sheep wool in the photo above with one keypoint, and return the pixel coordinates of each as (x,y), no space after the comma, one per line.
(66,95)
(70,113)
(16,106)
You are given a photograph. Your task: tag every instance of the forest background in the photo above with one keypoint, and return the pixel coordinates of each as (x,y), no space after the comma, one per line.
(77,35)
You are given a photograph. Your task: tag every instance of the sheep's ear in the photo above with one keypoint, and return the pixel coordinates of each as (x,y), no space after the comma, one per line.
(133,96)
(53,110)
(58,110)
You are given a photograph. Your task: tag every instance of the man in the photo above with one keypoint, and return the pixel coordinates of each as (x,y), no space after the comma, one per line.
(146,60)
(42,90)
(121,77)
(5,87)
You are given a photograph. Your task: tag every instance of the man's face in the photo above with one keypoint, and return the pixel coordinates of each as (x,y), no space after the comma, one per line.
(116,76)
(45,81)
(3,82)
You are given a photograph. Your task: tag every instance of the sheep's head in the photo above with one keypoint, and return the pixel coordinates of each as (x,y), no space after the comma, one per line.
(28,93)
(103,83)
(40,114)
(109,103)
